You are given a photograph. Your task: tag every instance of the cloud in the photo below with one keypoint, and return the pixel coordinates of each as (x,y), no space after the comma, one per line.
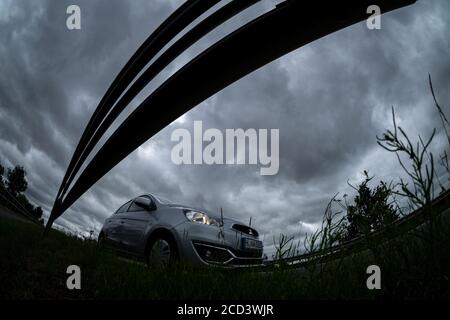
(329,99)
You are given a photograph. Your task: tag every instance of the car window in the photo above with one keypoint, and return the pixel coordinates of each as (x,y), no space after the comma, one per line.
(123,208)
(135,207)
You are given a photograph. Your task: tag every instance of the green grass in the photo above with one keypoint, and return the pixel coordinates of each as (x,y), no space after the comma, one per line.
(33,267)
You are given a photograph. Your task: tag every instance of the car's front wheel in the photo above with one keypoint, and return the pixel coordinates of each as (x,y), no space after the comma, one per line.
(162,252)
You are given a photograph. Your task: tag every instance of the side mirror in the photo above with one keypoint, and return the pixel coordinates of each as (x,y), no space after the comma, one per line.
(145,203)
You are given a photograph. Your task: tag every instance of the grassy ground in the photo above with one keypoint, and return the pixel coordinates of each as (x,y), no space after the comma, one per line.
(35,268)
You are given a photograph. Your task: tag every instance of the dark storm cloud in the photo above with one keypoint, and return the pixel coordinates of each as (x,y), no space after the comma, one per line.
(329,99)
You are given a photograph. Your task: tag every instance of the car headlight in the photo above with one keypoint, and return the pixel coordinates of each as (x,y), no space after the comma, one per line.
(200,217)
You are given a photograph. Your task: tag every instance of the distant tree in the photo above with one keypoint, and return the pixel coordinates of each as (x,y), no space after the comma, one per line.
(16,182)
(2,172)
(24,203)
(37,212)
(2,184)
(373,209)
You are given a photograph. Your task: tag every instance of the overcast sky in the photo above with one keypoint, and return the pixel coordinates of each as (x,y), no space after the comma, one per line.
(329,100)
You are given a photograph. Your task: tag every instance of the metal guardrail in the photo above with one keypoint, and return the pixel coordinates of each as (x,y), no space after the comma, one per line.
(175,23)
(406,223)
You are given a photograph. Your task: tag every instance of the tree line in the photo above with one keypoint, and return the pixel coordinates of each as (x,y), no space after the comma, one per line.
(13,184)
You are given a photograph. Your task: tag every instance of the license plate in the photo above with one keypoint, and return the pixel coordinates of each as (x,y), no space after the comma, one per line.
(251,244)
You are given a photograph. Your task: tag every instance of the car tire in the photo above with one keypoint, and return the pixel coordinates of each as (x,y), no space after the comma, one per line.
(162,252)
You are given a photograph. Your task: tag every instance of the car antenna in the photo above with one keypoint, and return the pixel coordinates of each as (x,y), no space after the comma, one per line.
(221,216)
(250,222)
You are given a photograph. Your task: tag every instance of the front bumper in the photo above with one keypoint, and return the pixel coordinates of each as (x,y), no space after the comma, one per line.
(211,245)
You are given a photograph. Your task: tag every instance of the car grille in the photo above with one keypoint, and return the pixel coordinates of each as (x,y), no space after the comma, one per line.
(245,229)
(247,254)
(212,254)
(227,256)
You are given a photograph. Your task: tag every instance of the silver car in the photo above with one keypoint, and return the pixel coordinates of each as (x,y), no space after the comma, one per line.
(160,232)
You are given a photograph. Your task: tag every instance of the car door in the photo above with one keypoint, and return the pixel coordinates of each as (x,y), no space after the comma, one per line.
(113,226)
(134,224)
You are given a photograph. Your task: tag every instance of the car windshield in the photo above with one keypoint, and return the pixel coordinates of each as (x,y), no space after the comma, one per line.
(162,200)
